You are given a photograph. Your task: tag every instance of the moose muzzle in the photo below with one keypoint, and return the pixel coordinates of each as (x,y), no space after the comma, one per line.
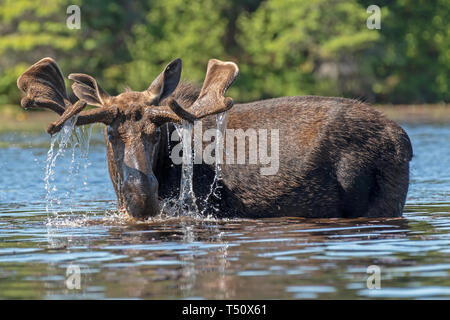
(140,192)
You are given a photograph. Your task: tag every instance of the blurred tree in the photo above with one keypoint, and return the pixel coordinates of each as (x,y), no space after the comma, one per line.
(174,29)
(303,47)
(283,47)
(29,30)
(102,49)
(33,29)
(413,57)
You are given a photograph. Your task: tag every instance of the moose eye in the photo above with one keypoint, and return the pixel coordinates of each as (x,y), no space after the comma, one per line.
(137,116)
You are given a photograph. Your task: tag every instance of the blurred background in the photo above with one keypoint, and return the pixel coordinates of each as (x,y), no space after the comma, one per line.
(283,47)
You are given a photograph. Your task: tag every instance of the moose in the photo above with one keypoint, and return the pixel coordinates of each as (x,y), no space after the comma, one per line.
(338,157)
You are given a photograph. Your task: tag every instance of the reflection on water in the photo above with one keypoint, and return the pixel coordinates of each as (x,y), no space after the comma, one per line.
(288,258)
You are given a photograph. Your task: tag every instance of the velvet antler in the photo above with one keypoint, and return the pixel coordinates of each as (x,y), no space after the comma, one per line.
(43,84)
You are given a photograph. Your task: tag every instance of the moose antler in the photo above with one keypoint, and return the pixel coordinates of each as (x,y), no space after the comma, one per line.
(43,84)
(211,100)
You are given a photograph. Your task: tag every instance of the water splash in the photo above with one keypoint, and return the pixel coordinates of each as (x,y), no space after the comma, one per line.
(60,143)
(62,138)
(80,142)
(187,199)
(186,204)
(84,134)
(221,123)
(168,138)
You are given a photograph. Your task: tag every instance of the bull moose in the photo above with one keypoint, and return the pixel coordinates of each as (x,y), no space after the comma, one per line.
(337,157)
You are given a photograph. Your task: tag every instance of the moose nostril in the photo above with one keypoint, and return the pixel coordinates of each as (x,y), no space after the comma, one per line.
(138,116)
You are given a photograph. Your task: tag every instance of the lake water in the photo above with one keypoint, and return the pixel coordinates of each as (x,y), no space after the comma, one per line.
(47,237)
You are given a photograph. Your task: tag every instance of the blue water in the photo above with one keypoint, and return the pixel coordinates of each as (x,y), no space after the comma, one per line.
(288,258)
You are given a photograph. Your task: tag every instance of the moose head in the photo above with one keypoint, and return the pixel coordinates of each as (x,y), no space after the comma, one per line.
(133,119)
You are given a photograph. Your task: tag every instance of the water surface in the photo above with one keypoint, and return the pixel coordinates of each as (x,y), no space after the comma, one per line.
(74,224)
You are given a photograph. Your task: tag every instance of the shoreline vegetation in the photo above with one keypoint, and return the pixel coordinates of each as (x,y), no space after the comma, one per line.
(13,118)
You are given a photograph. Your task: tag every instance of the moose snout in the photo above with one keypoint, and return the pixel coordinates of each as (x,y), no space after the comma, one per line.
(140,193)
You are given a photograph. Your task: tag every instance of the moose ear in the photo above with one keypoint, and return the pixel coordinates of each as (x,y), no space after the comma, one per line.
(167,81)
(87,89)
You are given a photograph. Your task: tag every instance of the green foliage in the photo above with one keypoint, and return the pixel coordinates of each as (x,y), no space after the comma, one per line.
(283,47)
(28,30)
(33,29)
(174,29)
(298,47)
(413,61)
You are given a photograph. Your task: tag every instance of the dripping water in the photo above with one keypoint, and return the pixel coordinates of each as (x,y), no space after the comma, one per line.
(60,143)
(84,135)
(80,142)
(62,139)
(187,200)
(221,123)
